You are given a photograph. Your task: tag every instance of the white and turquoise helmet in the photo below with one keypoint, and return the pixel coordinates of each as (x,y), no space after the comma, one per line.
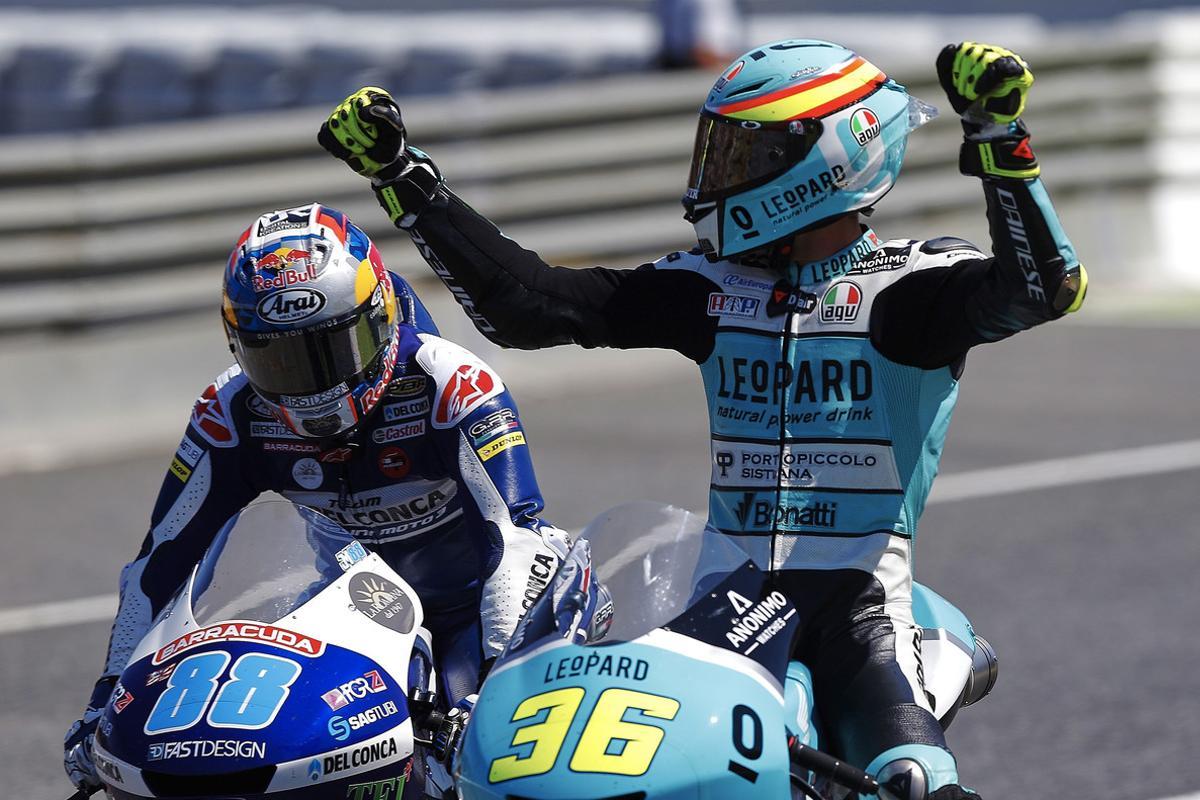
(793,134)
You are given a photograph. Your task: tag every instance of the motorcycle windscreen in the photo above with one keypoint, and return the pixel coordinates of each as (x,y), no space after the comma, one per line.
(633,569)
(267,561)
(652,666)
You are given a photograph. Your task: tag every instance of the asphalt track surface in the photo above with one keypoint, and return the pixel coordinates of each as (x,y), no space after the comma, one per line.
(1087,590)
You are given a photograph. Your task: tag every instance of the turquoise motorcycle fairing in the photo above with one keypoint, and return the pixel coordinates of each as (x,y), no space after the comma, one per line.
(656,665)
(654,662)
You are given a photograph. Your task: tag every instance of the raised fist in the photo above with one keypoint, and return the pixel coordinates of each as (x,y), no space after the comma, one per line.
(985,83)
(365,131)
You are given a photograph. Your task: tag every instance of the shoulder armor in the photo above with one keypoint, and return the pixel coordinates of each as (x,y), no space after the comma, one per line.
(463,382)
(692,260)
(945,244)
(944,251)
(213,414)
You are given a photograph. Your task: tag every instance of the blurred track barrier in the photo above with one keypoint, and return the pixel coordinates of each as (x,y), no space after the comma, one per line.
(98,228)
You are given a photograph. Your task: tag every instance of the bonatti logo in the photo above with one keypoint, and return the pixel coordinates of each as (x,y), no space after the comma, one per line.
(742,509)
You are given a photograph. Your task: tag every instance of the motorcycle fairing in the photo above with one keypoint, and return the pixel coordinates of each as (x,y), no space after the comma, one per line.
(390,778)
(947,647)
(302,720)
(302,740)
(674,590)
(799,708)
(744,614)
(577,723)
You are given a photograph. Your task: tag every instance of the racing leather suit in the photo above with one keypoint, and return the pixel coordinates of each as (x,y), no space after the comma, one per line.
(830,388)
(438,481)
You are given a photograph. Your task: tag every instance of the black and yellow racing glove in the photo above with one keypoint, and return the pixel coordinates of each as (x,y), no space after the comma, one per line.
(987,86)
(367,132)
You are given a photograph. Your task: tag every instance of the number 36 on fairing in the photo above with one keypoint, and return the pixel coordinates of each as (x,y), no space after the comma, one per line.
(609,744)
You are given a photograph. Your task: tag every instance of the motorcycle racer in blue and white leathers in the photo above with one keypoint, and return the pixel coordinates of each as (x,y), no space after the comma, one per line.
(830,357)
(344,399)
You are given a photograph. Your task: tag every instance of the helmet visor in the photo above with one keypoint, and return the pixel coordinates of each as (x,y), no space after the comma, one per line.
(311,360)
(732,155)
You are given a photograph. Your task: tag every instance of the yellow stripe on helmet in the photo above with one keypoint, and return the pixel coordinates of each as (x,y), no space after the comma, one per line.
(805,101)
(364,282)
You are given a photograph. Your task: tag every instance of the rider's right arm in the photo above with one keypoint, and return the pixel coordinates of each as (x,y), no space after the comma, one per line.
(206,483)
(513,297)
(517,300)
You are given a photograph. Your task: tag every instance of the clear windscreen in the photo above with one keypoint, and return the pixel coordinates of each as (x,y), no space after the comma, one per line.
(650,561)
(267,561)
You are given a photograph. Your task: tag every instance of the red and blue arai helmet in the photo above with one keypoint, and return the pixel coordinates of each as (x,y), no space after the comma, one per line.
(311,316)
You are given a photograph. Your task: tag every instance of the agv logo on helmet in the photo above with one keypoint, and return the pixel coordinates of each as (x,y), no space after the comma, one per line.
(864,125)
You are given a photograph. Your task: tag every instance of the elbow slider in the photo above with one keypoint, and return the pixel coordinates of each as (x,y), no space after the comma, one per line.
(1071,291)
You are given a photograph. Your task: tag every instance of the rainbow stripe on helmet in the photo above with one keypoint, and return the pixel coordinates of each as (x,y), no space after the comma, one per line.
(832,89)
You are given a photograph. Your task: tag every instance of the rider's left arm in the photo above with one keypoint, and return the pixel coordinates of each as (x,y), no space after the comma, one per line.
(932,316)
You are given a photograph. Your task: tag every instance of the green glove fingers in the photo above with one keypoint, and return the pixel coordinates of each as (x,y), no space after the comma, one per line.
(367,132)
(987,86)
(354,129)
(351,134)
(987,80)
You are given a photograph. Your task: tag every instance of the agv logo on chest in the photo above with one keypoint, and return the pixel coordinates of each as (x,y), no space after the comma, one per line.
(841,302)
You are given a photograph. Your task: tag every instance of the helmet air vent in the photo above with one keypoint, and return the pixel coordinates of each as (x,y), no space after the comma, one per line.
(747,89)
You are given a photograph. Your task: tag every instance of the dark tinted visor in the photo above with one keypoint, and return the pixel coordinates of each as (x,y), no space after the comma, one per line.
(313,359)
(733,155)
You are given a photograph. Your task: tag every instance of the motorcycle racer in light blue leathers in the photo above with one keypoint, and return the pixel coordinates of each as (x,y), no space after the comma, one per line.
(830,356)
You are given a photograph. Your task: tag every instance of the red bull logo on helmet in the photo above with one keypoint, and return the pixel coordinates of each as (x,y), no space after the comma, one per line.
(377,263)
(291,267)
